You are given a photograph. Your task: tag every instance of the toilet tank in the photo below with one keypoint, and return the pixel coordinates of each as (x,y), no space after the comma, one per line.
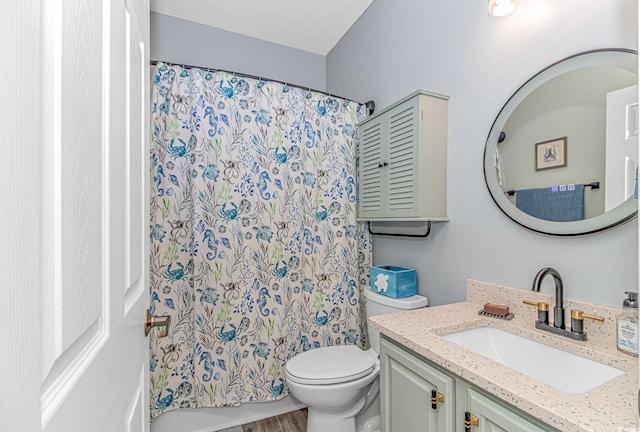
(378,304)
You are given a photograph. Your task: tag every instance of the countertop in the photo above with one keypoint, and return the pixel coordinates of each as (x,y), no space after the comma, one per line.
(608,407)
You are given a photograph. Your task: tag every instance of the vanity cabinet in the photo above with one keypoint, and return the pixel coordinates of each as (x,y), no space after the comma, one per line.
(406,385)
(406,388)
(402,169)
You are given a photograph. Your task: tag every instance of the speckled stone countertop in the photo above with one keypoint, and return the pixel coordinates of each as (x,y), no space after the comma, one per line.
(610,407)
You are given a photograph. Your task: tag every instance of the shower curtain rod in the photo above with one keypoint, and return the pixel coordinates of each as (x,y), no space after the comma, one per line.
(259,78)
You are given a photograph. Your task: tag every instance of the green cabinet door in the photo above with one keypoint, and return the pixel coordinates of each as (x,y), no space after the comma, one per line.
(403,199)
(495,417)
(406,388)
(372,179)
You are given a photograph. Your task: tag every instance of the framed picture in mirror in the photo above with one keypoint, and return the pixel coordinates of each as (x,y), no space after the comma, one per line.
(551,154)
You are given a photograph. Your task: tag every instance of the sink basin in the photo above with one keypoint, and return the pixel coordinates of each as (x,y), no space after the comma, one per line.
(560,369)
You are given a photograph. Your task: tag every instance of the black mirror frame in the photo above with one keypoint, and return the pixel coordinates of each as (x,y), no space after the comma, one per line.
(621,214)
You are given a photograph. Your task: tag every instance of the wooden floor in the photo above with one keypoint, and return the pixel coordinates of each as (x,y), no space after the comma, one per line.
(295,421)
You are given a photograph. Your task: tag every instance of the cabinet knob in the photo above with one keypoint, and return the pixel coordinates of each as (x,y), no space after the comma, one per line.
(383,164)
(469,421)
(436,398)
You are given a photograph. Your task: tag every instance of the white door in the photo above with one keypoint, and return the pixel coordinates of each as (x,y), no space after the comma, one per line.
(73,218)
(621,153)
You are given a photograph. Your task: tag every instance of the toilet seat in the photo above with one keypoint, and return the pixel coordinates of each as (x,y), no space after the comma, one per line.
(330,365)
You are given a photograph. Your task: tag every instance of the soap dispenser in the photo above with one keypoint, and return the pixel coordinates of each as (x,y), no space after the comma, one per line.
(627,324)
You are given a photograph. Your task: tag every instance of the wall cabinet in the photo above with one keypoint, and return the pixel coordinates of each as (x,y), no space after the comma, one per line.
(417,395)
(402,169)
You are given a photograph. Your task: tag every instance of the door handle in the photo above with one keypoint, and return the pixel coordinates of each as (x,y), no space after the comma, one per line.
(156,321)
(469,421)
(436,398)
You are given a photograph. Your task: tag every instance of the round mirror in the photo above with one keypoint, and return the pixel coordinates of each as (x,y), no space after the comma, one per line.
(562,155)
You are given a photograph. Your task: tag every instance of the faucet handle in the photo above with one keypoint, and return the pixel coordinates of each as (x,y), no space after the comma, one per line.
(578,314)
(577,320)
(543,310)
(539,305)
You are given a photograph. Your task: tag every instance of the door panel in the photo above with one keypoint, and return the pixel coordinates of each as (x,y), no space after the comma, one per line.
(405,393)
(621,154)
(78,180)
(20,232)
(137,416)
(371,176)
(136,152)
(403,154)
(74,309)
(78,167)
(408,397)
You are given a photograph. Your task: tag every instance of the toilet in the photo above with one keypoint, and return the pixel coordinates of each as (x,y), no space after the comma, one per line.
(339,384)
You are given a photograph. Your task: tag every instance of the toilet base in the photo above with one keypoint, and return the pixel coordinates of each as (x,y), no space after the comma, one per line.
(368,420)
(323,421)
(357,419)
(316,422)
(371,425)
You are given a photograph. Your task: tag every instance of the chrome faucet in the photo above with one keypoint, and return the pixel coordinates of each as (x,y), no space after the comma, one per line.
(577,316)
(558,309)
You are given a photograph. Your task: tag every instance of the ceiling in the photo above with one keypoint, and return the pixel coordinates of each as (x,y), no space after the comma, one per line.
(313,26)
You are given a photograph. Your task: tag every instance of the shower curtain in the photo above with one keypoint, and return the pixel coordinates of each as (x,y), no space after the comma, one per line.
(255,250)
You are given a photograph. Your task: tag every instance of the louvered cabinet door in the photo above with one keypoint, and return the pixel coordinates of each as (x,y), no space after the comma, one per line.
(402,170)
(371,175)
(403,152)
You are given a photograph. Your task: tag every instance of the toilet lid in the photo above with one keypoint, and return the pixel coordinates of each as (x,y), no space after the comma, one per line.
(330,365)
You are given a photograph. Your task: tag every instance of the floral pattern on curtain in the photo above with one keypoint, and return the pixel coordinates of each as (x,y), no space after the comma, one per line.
(255,250)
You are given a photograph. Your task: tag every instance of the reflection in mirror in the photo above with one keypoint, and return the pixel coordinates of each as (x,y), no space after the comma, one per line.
(561,157)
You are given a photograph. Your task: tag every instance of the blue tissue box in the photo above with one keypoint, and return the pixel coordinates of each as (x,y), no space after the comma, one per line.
(392,281)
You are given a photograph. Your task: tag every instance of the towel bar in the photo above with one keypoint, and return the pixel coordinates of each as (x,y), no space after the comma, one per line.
(592,185)
(402,235)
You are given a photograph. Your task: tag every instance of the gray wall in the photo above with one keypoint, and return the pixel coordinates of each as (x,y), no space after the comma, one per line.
(180,41)
(453,47)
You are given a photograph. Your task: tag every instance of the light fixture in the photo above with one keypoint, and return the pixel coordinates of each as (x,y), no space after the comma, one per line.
(500,8)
